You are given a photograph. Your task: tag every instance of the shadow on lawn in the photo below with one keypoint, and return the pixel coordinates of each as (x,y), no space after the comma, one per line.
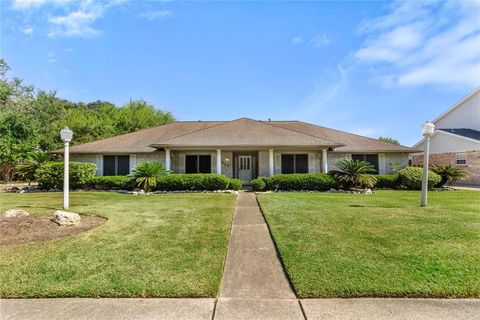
(387,206)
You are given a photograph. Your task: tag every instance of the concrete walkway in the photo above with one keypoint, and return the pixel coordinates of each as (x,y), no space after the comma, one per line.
(254,285)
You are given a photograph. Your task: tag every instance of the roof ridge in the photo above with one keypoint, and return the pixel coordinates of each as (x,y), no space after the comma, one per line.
(307,134)
(354,134)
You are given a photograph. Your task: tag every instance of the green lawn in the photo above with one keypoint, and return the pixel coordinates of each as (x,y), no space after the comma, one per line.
(151,246)
(381,245)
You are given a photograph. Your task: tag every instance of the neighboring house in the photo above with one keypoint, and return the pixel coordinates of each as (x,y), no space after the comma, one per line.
(456,140)
(242,148)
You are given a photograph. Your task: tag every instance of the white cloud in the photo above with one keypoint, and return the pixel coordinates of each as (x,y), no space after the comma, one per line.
(27,4)
(27,30)
(422,43)
(297,40)
(319,41)
(156,14)
(77,19)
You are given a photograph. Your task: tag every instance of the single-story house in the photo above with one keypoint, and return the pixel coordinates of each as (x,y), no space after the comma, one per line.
(242,148)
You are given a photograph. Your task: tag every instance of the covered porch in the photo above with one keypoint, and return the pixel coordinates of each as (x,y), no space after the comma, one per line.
(247,163)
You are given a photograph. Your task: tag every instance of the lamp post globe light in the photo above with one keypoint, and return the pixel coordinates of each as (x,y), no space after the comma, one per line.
(428,129)
(66,135)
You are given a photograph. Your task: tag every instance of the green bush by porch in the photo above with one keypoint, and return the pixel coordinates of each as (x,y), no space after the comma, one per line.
(50,174)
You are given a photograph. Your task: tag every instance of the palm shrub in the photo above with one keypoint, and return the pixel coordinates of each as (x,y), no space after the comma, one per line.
(27,168)
(145,175)
(354,174)
(450,175)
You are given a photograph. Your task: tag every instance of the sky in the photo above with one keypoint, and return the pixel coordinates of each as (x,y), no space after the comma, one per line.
(371,68)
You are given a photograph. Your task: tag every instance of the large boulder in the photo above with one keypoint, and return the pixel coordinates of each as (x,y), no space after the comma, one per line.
(14,213)
(65,218)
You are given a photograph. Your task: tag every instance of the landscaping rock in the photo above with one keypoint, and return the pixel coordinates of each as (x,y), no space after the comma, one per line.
(65,218)
(14,213)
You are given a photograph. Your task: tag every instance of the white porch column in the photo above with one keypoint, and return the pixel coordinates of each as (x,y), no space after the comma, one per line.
(219,161)
(324,161)
(270,161)
(167,159)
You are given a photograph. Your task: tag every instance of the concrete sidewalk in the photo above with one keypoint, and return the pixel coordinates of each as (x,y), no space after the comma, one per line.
(203,309)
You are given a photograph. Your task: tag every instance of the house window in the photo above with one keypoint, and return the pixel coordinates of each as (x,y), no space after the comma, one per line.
(461,159)
(294,163)
(370,158)
(116,165)
(198,164)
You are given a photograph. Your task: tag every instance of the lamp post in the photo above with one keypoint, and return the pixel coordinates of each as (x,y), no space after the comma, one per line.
(428,129)
(66,135)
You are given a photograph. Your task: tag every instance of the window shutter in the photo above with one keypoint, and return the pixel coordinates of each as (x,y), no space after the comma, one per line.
(311,163)
(99,165)
(133,162)
(381,164)
(278,163)
(182,163)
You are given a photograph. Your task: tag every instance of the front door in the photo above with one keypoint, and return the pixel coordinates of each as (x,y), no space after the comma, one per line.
(245,168)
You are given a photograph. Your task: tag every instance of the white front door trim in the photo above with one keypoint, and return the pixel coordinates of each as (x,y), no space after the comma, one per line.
(245,168)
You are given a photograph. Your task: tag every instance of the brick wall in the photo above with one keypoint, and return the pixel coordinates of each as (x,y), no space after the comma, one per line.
(449,158)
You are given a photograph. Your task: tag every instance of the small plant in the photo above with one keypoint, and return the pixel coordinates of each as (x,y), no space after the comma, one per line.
(354,174)
(235,184)
(411,178)
(450,175)
(146,174)
(50,174)
(258,184)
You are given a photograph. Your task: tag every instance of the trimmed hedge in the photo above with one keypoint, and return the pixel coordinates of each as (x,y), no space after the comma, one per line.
(50,174)
(259,184)
(196,181)
(235,184)
(318,182)
(387,181)
(411,178)
(109,183)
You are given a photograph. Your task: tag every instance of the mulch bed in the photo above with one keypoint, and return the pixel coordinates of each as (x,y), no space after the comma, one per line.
(32,229)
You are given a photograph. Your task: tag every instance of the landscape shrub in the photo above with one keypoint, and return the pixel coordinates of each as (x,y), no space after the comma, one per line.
(196,181)
(109,183)
(235,184)
(258,184)
(387,181)
(50,174)
(411,178)
(318,182)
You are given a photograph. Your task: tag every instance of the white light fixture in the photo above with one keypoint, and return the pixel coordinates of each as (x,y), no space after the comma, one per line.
(428,129)
(66,135)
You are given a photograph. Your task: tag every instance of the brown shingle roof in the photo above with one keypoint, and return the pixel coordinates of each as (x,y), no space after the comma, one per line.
(246,132)
(351,142)
(236,133)
(139,141)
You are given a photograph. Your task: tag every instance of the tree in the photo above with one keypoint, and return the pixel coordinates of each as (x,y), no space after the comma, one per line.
(354,174)
(389,140)
(29,166)
(138,114)
(17,139)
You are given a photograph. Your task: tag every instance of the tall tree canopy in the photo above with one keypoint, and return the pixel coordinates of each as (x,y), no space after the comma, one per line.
(30,120)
